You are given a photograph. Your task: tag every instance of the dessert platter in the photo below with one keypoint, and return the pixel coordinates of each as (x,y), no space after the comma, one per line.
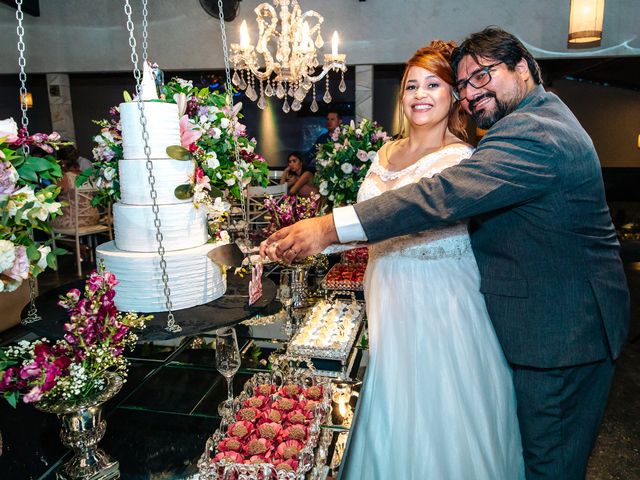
(275,429)
(329,330)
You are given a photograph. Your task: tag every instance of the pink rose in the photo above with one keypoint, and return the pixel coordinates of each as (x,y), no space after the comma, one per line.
(34,395)
(20,269)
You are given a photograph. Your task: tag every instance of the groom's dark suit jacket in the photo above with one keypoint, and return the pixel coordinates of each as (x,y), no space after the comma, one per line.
(541,233)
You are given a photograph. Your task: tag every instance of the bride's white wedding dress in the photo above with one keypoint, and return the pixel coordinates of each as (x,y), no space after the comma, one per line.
(437,401)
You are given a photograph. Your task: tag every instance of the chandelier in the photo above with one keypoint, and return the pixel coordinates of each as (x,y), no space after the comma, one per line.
(284,61)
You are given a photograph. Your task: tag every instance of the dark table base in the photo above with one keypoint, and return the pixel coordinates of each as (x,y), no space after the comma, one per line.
(228,310)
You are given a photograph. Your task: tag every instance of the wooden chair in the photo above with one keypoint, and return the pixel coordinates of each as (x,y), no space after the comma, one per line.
(86,223)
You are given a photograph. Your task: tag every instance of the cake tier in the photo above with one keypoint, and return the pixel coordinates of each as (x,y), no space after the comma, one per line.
(193,278)
(182,226)
(168,173)
(163,128)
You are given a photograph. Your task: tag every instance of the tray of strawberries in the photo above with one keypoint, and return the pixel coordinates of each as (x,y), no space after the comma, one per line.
(345,276)
(274,432)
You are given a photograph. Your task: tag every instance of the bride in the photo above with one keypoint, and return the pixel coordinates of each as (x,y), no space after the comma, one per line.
(438,400)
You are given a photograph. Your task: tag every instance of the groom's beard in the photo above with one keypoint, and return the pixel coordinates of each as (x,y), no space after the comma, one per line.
(484,118)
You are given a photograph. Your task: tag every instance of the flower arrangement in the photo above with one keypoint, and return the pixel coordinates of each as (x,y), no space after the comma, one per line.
(107,151)
(343,162)
(290,209)
(28,194)
(73,368)
(208,127)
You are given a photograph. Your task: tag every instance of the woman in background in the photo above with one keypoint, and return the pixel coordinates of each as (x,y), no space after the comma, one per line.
(297,177)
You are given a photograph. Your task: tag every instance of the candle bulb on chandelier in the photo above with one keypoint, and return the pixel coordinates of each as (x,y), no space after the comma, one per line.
(334,44)
(244,35)
(305,35)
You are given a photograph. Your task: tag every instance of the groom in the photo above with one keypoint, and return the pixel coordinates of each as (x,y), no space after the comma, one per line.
(544,242)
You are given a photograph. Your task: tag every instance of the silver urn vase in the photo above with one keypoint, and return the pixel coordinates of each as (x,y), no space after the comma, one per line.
(82,428)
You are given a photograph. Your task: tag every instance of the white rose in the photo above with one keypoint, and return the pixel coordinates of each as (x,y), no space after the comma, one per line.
(324,188)
(371,155)
(212,160)
(346,168)
(8,126)
(230,181)
(215,132)
(7,254)
(44,251)
(224,236)
(224,122)
(109,173)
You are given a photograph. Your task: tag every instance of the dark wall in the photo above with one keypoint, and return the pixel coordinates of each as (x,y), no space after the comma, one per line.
(40,115)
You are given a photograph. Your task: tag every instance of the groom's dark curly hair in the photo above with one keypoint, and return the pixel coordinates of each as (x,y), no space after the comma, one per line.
(495,43)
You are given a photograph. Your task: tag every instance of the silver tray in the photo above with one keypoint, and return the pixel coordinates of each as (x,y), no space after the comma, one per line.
(340,354)
(313,455)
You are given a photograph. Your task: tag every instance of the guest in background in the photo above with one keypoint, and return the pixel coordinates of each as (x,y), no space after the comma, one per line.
(68,158)
(334,120)
(298,177)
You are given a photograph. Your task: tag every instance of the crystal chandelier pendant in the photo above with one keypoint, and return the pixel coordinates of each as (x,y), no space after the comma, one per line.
(327,97)
(268,90)
(242,85)
(262,103)
(314,105)
(235,79)
(343,86)
(319,41)
(251,93)
(296,105)
(285,106)
(280,90)
(300,93)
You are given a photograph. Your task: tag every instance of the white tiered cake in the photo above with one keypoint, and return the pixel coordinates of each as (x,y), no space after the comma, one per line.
(133,257)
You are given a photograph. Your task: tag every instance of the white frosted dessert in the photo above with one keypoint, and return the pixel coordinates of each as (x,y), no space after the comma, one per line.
(163,128)
(182,226)
(193,278)
(168,173)
(132,257)
(329,325)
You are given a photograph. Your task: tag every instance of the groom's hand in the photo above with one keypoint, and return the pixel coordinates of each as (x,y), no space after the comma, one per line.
(304,238)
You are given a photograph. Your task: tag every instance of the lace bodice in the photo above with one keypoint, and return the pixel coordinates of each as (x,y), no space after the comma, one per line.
(446,242)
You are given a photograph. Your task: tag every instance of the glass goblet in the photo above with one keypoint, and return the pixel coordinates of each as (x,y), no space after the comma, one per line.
(227,363)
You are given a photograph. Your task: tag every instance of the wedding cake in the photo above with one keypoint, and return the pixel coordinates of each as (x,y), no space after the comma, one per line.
(133,255)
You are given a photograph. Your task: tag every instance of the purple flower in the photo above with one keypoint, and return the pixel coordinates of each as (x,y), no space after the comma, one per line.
(30,370)
(20,269)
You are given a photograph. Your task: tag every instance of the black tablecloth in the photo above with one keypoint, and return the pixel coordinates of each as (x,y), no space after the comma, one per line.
(230,309)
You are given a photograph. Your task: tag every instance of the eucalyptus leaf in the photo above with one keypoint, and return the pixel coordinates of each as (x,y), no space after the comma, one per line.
(127,96)
(183,192)
(179,153)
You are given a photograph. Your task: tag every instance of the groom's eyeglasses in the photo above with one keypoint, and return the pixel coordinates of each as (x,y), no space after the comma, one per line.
(478,79)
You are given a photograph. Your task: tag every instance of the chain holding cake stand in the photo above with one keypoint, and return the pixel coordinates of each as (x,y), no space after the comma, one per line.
(228,88)
(32,314)
(172,326)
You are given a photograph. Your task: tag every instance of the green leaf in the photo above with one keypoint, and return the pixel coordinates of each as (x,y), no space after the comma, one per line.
(12,398)
(4,364)
(59,251)
(28,173)
(40,164)
(127,97)
(179,153)
(215,192)
(52,261)
(183,192)
(32,252)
